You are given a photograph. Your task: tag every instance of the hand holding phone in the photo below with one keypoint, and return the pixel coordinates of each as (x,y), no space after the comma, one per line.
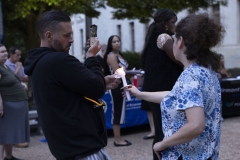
(93,34)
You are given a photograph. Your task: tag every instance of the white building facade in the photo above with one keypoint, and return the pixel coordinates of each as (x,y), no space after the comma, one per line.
(132,32)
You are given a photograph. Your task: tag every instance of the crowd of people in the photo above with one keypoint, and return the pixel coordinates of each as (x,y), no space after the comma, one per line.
(181,90)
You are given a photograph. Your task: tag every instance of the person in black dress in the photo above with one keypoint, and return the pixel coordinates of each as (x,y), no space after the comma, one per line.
(158,62)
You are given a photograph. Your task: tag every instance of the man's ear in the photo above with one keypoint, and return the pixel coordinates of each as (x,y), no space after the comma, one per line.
(48,36)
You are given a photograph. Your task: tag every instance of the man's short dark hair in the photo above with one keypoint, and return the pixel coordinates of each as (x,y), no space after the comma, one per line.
(12,50)
(49,21)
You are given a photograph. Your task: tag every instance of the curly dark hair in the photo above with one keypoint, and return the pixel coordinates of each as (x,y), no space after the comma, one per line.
(200,33)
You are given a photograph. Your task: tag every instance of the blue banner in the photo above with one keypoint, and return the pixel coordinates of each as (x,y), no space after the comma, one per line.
(134,116)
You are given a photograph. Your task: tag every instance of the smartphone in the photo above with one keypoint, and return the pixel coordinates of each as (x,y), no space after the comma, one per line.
(93,33)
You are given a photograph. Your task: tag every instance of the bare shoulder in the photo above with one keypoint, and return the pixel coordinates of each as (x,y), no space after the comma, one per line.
(111,56)
(162,39)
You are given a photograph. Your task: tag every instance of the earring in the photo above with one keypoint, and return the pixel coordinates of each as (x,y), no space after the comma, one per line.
(166,28)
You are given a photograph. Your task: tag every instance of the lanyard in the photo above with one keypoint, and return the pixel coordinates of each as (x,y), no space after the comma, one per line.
(98,103)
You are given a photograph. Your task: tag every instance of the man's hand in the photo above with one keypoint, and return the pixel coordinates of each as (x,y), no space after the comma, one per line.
(19,64)
(94,49)
(112,82)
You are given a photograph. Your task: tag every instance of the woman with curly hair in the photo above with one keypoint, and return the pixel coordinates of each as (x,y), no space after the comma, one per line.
(191,111)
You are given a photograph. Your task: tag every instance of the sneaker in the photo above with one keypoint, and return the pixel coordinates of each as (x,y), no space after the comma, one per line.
(21,145)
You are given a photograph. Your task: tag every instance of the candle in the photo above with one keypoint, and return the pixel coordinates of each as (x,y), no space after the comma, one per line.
(120,73)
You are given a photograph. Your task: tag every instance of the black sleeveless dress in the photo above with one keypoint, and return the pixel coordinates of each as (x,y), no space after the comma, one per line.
(161,73)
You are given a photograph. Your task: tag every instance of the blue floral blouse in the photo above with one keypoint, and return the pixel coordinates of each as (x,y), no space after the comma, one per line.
(196,86)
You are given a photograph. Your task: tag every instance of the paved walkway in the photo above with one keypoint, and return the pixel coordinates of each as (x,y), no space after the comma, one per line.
(141,149)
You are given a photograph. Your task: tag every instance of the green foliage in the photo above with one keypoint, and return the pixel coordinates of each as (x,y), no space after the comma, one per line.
(16,9)
(133,59)
(143,9)
(20,16)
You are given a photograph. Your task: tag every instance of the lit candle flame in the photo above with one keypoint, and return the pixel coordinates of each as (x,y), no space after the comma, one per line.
(119,73)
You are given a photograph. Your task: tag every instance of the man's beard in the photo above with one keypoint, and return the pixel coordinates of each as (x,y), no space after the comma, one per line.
(60,47)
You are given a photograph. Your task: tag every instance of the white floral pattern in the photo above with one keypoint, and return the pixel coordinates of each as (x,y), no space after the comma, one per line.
(196,86)
(162,39)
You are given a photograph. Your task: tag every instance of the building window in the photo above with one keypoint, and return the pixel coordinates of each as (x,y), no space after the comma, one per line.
(216,11)
(132,36)
(82,49)
(119,30)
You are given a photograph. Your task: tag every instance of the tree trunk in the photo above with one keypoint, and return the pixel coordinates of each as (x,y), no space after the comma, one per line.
(32,39)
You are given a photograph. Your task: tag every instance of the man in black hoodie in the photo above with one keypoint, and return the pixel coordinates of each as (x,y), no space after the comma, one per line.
(65,90)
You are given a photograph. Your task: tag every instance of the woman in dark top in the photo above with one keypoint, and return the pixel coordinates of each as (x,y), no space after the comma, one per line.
(158,62)
(14,120)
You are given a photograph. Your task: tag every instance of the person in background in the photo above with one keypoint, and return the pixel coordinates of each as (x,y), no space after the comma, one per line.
(100,56)
(14,122)
(191,111)
(14,63)
(222,73)
(114,59)
(160,66)
(66,92)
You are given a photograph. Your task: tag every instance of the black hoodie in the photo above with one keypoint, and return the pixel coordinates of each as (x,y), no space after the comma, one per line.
(71,125)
